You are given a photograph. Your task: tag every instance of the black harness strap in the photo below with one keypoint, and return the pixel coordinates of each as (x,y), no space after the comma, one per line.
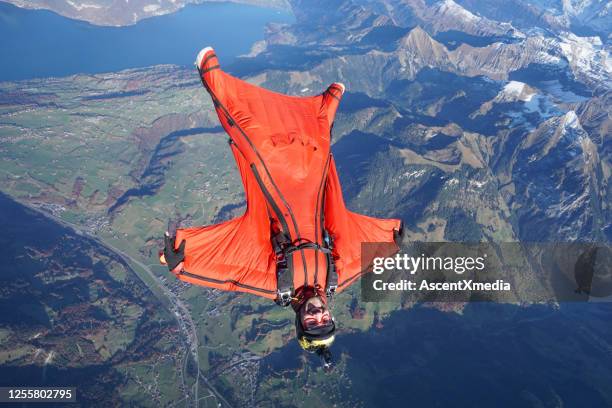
(210,69)
(332,95)
(308,245)
(284,269)
(332,274)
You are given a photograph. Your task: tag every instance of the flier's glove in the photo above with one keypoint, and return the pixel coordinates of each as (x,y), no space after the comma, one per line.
(173,257)
(398,235)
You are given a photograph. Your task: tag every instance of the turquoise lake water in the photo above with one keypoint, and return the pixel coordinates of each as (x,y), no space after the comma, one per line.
(40,43)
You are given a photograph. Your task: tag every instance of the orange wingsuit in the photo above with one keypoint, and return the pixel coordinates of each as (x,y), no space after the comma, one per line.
(281,144)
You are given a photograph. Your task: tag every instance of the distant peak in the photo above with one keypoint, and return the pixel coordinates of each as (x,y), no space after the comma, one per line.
(449,6)
(418,30)
(418,35)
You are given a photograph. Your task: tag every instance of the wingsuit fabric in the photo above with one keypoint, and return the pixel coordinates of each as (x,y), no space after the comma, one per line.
(281,145)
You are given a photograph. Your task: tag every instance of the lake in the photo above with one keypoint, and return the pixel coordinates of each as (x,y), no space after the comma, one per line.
(40,43)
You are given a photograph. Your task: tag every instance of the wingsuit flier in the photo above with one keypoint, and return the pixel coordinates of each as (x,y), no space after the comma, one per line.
(296,243)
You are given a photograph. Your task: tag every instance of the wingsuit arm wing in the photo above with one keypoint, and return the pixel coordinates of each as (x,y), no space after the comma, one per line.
(349,230)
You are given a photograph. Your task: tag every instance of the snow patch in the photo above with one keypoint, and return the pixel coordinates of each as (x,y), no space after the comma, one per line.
(80,7)
(49,358)
(568,204)
(571,128)
(534,103)
(517,91)
(456,10)
(477,184)
(587,55)
(514,88)
(452,182)
(570,120)
(557,91)
(415,174)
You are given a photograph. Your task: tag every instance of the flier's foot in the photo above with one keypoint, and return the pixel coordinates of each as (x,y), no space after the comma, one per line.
(200,58)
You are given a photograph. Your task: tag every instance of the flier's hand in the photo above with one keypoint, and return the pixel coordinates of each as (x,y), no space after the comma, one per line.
(174,258)
(398,235)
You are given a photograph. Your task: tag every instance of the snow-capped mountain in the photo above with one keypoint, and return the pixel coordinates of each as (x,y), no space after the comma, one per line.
(521,108)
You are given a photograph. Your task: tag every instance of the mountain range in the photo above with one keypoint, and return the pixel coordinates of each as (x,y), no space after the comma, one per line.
(471,121)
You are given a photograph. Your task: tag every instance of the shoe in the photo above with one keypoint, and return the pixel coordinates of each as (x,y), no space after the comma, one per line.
(200,57)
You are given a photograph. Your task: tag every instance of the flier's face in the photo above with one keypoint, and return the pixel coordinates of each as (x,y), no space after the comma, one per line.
(315,313)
